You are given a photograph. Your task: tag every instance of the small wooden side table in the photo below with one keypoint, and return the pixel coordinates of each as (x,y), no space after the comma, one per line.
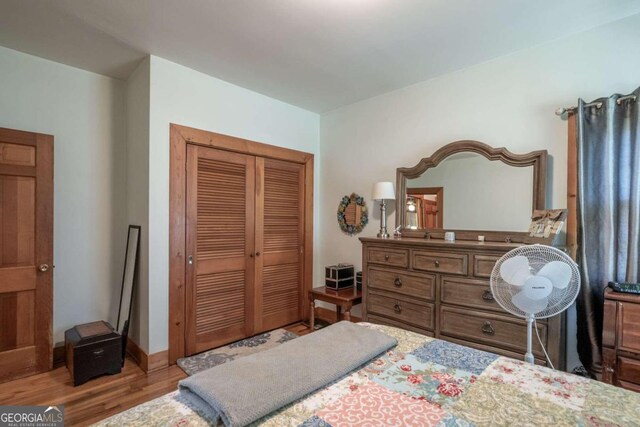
(343,299)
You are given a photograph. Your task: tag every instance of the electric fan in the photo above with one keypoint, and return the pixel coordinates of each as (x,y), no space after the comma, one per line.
(535,282)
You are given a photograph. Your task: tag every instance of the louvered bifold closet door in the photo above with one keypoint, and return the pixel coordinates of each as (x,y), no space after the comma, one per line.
(220,238)
(279,238)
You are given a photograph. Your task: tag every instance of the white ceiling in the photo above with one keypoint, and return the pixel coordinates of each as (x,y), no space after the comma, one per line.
(317,54)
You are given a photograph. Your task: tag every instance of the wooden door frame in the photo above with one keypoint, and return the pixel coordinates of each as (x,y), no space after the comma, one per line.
(436,191)
(180,136)
(43,143)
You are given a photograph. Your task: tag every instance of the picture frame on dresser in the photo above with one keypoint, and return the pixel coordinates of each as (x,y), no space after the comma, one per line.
(441,288)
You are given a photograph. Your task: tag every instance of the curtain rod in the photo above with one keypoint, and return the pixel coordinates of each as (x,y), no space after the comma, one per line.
(598,104)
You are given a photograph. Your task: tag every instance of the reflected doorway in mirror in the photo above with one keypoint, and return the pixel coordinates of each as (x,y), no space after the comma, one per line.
(424,207)
(352,215)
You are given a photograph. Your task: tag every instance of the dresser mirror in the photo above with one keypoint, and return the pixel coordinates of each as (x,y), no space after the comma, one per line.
(469,185)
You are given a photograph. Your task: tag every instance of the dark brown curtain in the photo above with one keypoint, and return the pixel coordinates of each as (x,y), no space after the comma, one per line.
(608,210)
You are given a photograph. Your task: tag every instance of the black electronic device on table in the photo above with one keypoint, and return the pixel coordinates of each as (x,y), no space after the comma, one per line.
(627,288)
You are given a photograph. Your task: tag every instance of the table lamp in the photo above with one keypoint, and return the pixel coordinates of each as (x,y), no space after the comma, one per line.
(383,191)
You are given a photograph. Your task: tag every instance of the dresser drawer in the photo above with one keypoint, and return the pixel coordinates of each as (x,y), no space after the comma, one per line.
(401,309)
(629,370)
(629,332)
(472,293)
(390,257)
(379,320)
(483,265)
(438,262)
(415,285)
(488,328)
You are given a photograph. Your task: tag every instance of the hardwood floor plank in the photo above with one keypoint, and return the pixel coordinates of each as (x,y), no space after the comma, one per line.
(102,397)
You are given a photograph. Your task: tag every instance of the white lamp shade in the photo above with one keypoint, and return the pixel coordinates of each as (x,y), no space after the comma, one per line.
(383,191)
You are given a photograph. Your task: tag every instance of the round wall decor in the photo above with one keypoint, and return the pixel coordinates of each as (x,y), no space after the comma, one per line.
(352,214)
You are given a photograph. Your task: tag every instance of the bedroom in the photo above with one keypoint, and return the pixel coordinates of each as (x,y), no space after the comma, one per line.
(366,87)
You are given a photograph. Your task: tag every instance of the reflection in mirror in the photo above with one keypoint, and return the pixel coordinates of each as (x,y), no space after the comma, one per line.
(352,214)
(424,208)
(468,191)
(128,280)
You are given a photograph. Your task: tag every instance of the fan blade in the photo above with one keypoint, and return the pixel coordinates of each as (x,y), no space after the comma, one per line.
(537,287)
(515,270)
(528,305)
(558,272)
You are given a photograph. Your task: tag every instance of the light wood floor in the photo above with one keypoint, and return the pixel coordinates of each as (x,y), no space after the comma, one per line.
(101,397)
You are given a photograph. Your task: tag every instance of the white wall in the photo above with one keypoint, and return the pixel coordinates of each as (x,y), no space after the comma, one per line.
(85,114)
(506,102)
(186,97)
(137,106)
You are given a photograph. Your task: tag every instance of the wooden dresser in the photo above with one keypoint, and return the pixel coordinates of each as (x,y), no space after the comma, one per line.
(621,340)
(441,289)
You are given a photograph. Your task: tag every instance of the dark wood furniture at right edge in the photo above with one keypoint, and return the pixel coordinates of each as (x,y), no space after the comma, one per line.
(621,340)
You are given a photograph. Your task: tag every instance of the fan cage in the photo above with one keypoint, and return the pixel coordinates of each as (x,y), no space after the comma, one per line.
(538,256)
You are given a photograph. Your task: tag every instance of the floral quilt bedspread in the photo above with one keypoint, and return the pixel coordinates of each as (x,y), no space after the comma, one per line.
(428,382)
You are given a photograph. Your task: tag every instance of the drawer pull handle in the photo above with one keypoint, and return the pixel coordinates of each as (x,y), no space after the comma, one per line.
(386,257)
(397,308)
(436,263)
(98,352)
(487,295)
(397,282)
(488,329)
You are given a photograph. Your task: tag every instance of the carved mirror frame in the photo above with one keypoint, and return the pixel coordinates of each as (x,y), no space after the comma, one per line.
(536,159)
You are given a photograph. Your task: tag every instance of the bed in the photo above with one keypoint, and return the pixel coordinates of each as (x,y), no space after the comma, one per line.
(426,381)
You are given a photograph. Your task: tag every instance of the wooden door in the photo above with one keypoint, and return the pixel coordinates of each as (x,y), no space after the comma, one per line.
(220,211)
(430,213)
(26,253)
(279,243)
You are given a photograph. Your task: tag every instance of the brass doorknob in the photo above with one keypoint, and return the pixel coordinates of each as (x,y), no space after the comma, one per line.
(43,267)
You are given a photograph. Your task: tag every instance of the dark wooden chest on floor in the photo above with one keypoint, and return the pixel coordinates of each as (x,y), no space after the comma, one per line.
(93,349)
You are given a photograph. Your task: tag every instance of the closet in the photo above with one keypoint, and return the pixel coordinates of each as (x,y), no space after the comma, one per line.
(247,244)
